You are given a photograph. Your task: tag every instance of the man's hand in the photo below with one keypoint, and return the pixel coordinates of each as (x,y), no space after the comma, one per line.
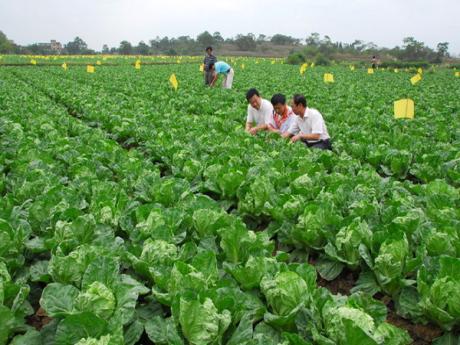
(213,80)
(272,129)
(296,138)
(253,131)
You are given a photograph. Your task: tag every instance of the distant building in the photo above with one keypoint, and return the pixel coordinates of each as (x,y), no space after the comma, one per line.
(54,46)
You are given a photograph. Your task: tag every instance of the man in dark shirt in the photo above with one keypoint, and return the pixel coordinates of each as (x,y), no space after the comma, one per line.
(208,60)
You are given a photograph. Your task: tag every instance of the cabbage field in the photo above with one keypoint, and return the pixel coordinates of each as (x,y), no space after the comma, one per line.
(131,213)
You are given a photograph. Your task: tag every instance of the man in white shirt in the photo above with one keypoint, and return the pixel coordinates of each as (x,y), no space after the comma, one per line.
(309,126)
(259,112)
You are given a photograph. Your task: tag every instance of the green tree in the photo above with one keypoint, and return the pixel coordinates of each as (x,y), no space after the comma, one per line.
(142,48)
(205,39)
(313,39)
(38,49)
(246,42)
(185,45)
(165,44)
(358,45)
(413,49)
(217,37)
(77,46)
(284,40)
(6,46)
(125,48)
(443,49)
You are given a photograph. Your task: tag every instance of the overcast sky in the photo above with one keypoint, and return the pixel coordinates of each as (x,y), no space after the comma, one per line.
(99,22)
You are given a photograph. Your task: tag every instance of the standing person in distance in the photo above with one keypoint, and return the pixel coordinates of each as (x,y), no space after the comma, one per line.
(221,67)
(208,60)
(260,111)
(309,125)
(374,62)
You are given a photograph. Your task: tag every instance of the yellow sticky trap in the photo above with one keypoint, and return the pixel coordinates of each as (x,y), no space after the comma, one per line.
(420,70)
(242,66)
(404,109)
(352,68)
(64,66)
(303,68)
(98,63)
(415,79)
(33,61)
(370,71)
(273,62)
(457,74)
(328,78)
(202,68)
(396,70)
(173,81)
(137,65)
(90,69)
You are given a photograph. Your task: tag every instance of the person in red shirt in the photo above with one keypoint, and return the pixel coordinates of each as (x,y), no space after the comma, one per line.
(282,117)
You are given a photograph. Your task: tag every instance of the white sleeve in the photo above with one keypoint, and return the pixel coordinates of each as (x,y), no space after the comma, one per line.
(269,120)
(250,117)
(294,127)
(268,114)
(317,124)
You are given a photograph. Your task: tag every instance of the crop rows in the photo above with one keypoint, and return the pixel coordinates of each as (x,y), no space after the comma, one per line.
(131,212)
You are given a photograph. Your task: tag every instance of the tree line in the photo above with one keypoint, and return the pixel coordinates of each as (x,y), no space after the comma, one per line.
(313,47)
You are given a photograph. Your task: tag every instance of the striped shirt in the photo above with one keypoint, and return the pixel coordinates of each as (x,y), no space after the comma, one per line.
(208,59)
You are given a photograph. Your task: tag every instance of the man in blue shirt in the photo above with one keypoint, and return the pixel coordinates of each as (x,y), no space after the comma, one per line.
(221,67)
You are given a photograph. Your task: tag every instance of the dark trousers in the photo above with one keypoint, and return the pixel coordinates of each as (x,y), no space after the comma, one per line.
(322,144)
(208,76)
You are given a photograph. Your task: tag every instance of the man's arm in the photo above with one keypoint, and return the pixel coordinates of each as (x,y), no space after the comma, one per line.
(262,127)
(272,129)
(301,136)
(254,130)
(292,131)
(213,80)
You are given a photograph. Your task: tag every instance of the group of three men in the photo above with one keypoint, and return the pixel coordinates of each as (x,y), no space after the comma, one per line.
(299,123)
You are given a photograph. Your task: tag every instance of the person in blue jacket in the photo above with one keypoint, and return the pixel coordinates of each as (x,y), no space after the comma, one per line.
(221,67)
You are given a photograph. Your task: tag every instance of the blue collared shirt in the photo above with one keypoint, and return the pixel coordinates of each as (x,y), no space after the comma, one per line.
(222,67)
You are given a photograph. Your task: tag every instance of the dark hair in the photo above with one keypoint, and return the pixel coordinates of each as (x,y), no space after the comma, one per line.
(300,99)
(208,48)
(251,92)
(278,98)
